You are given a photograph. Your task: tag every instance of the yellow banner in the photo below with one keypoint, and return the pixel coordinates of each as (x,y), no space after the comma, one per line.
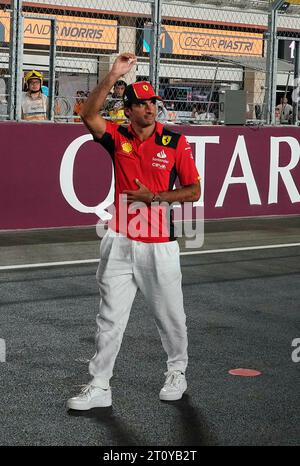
(71,31)
(204,41)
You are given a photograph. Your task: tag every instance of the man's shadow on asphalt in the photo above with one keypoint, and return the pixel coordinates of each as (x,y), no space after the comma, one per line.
(120,432)
(191,426)
(194,428)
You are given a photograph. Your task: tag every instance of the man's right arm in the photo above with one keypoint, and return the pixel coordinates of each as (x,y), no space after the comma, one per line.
(96,100)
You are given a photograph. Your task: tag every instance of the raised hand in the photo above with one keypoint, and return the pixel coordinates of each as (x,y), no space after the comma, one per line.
(123,64)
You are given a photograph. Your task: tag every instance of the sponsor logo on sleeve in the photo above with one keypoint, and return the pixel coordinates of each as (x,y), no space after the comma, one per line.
(126,147)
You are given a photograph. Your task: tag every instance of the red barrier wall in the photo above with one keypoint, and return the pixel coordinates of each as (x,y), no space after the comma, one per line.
(246,171)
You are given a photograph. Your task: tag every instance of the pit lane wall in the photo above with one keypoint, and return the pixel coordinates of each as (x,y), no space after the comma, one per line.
(54,175)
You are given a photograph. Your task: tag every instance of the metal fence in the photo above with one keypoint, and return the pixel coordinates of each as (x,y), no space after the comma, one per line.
(193,52)
(5,20)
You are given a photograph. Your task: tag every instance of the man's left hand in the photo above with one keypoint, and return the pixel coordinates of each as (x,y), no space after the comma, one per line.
(141,195)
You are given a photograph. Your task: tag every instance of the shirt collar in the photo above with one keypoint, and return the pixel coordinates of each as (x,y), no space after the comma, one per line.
(158,129)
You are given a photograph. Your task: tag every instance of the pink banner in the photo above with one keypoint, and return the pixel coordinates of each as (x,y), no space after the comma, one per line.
(54,175)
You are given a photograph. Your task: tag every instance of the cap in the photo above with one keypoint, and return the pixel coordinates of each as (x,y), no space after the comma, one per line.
(141,90)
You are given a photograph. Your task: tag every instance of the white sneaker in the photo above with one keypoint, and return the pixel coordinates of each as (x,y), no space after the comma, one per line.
(90,397)
(175,386)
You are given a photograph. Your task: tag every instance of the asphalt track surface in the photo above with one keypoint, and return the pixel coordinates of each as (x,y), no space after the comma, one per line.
(242,312)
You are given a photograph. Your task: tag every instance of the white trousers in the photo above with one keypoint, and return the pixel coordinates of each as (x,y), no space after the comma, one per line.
(126,266)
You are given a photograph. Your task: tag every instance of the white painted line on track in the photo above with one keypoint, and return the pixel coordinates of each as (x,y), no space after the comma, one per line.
(47,264)
(190,253)
(247,248)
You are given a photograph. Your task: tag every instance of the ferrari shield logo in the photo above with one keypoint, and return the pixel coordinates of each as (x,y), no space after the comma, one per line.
(145,87)
(166,140)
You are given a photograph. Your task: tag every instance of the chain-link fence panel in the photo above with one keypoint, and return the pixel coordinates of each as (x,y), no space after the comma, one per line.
(209,51)
(205,50)
(287,109)
(5,20)
(88,37)
(205,53)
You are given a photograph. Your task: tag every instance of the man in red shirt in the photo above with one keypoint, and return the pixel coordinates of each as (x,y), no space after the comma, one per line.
(139,250)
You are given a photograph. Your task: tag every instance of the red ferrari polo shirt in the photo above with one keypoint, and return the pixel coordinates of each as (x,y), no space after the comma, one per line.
(156,163)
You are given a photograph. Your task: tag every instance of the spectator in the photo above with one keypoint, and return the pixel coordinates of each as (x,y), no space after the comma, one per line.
(80,98)
(114,107)
(258,111)
(162,112)
(284,110)
(34,102)
(200,114)
(3,96)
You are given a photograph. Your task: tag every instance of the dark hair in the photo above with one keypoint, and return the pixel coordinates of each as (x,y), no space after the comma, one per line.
(120,82)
